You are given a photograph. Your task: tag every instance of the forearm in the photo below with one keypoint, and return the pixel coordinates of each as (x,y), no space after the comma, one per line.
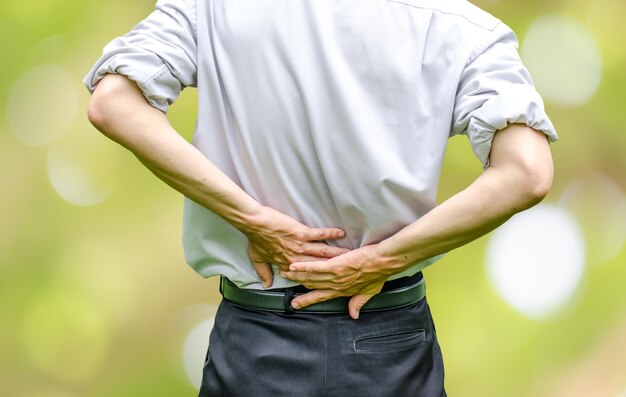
(119,110)
(505,188)
(487,203)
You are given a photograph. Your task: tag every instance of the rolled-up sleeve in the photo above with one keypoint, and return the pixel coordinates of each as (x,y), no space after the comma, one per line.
(495,89)
(159,54)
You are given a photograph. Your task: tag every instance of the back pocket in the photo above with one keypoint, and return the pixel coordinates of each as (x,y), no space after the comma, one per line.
(389,340)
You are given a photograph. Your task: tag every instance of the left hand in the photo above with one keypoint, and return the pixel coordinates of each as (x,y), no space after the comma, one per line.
(358,273)
(274,237)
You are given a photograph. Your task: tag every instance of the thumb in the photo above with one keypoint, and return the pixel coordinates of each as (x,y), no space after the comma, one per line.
(264,270)
(356,303)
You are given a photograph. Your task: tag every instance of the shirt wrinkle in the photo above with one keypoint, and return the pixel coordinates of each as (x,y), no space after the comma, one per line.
(481,47)
(156,74)
(458,14)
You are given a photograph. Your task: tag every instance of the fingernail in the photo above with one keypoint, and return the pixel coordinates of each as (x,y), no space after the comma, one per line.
(356,317)
(295,305)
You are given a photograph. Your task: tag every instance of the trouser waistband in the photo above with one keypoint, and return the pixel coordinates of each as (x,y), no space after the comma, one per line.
(395,293)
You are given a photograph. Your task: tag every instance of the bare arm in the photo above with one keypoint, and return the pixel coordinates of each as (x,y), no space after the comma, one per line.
(119,110)
(519,176)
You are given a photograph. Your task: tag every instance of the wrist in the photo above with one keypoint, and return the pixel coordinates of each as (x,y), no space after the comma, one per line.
(391,259)
(377,261)
(252,220)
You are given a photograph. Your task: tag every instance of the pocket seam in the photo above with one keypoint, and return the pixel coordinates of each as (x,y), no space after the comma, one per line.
(419,336)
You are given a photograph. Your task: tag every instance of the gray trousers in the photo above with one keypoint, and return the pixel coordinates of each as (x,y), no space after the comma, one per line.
(388,353)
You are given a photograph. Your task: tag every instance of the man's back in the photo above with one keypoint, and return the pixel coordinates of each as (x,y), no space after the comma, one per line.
(333,112)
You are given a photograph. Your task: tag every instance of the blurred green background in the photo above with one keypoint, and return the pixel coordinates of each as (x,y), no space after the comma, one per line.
(95,298)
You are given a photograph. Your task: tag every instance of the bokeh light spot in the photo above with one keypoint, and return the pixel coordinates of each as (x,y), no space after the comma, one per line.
(82,169)
(65,337)
(536,260)
(600,207)
(563,59)
(194,351)
(42,105)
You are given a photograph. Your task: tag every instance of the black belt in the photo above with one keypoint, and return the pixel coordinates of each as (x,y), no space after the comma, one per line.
(395,293)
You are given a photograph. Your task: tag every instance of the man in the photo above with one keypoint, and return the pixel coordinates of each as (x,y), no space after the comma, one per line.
(321,132)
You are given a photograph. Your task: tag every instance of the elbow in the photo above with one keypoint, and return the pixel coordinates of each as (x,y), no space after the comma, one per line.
(526,181)
(97,114)
(522,157)
(109,104)
(536,181)
(539,187)
(100,110)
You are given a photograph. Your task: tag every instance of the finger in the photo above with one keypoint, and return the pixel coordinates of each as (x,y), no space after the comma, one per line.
(303,277)
(356,303)
(311,280)
(313,297)
(306,258)
(311,267)
(319,234)
(323,250)
(264,270)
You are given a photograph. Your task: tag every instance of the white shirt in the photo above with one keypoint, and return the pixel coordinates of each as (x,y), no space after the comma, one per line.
(336,112)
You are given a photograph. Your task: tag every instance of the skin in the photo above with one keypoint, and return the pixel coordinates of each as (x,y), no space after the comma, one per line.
(518,177)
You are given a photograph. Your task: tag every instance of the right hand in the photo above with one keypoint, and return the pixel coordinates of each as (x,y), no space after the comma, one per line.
(279,239)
